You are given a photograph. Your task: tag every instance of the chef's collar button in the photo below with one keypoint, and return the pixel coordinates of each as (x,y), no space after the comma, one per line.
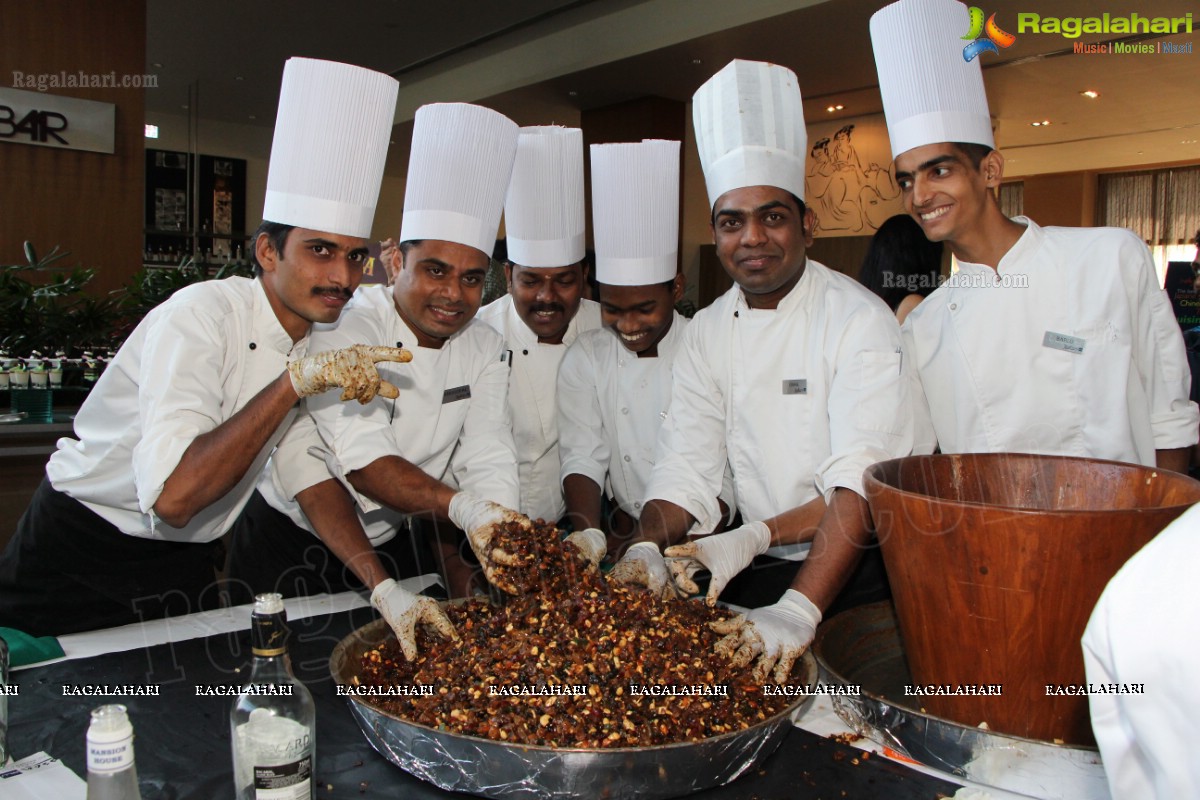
(253,346)
(399,344)
(735,313)
(524,352)
(637,505)
(627,458)
(953,306)
(624,410)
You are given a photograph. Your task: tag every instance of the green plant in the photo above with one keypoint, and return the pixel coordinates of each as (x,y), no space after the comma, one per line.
(43,307)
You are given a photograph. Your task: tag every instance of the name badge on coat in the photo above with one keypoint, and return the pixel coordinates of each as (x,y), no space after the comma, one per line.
(796,386)
(1060,341)
(453,395)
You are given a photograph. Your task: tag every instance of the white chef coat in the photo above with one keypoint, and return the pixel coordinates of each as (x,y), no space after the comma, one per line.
(611,405)
(191,364)
(1143,631)
(531,399)
(992,384)
(450,420)
(801,399)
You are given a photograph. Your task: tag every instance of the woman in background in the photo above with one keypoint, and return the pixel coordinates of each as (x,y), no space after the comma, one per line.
(901,266)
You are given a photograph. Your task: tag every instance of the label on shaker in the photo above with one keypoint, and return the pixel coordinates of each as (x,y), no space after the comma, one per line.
(104,757)
(284,782)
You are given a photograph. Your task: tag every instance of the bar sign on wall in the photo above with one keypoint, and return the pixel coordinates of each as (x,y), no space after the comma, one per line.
(50,120)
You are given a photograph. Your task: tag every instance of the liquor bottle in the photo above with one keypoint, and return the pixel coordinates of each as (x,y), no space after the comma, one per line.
(111,774)
(273,722)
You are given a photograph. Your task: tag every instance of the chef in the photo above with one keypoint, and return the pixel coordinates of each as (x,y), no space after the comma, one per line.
(614,385)
(545,308)
(793,375)
(1142,638)
(173,436)
(449,426)
(1046,340)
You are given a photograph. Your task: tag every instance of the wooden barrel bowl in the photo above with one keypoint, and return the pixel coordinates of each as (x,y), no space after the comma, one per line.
(996,561)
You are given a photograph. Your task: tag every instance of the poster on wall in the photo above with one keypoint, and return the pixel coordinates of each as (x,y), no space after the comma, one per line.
(849,183)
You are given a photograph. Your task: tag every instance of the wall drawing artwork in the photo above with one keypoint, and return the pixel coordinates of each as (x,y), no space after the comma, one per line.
(849,184)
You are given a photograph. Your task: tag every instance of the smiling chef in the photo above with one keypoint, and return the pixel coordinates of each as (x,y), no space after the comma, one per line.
(1046,340)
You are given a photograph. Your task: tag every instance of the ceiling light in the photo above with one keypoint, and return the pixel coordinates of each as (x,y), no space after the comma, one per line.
(1188,141)
(1041,124)
(151,131)
(238,78)
(1090,94)
(572,93)
(833,108)
(158,64)
(253,117)
(697,61)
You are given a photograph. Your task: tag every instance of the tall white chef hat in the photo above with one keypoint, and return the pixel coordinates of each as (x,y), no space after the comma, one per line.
(458,171)
(635,212)
(931,93)
(543,213)
(750,130)
(331,140)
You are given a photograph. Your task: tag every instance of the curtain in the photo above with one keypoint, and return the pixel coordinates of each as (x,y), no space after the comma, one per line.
(1161,206)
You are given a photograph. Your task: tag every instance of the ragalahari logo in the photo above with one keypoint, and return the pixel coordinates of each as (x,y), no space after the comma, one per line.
(985,38)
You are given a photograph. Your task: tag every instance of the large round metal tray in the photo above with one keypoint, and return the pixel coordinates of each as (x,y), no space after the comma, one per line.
(501,770)
(862,647)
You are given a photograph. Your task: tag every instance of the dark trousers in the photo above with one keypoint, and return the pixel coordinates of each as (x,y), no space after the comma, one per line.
(270,553)
(765,581)
(68,570)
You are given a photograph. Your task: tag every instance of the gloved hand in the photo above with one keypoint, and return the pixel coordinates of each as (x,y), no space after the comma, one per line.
(725,555)
(352,368)
(478,518)
(403,610)
(643,565)
(776,635)
(591,543)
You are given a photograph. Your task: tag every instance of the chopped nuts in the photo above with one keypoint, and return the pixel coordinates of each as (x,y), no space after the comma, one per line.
(576,649)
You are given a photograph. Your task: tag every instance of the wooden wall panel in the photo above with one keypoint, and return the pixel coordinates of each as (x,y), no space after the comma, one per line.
(87,203)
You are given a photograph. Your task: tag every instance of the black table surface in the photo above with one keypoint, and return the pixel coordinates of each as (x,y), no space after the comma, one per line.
(182,739)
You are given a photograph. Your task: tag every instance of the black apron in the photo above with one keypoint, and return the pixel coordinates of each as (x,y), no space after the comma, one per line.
(67,570)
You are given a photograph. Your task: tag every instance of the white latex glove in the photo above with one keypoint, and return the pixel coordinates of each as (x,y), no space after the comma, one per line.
(478,518)
(351,368)
(643,565)
(591,544)
(724,555)
(403,610)
(776,635)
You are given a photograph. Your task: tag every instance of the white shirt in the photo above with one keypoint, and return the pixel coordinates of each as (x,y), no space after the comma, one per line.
(800,399)
(451,419)
(611,405)
(189,366)
(998,366)
(1143,631)
(531,399)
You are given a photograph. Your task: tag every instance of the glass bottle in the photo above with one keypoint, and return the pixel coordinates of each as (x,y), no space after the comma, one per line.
(273,722)
(111,774)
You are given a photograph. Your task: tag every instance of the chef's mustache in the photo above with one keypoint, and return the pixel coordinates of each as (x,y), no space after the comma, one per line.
(333,290)
(546,307)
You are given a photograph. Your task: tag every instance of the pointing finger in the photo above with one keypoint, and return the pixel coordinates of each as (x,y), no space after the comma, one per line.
(388,390)
(379,353)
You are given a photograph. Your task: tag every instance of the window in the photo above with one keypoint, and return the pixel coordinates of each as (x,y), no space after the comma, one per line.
(1161,206)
